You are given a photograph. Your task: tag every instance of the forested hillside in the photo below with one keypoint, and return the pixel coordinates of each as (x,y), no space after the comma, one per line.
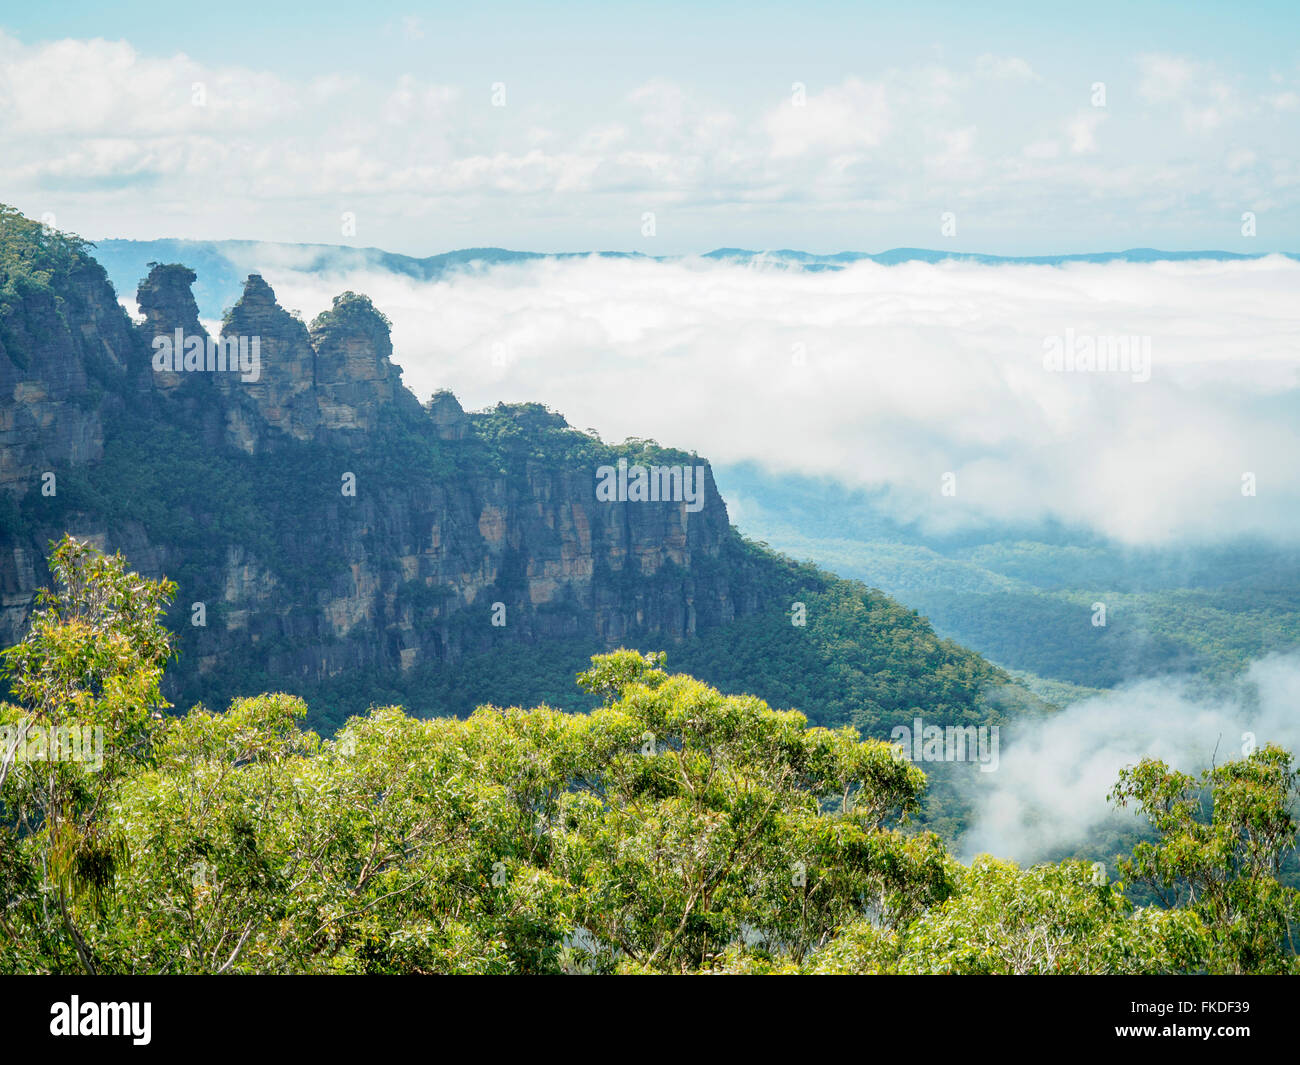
(1026,597)
(333,537)
(674,829)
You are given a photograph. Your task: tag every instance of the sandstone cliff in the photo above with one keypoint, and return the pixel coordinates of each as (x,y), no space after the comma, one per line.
(331,536)
(449,538)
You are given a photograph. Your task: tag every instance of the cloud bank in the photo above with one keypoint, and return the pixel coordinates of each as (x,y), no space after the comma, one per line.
(927,380)
(1049,792)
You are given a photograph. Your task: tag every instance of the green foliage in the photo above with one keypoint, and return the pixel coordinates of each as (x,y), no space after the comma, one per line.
(1048,920)
(1222,841)
(611,675)
(36,262)
(349,309)
(34,258)
(91,665)
(861,658)
(1027,605)
(672,829)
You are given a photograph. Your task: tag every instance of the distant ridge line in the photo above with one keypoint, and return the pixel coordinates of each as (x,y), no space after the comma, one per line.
(222,265)
(890,255)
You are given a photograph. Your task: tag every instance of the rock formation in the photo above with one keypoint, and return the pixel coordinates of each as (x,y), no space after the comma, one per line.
(284,397)
(401,573)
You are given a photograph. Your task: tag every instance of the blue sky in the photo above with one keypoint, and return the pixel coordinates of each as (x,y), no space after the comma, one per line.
(612,112)
(561,44)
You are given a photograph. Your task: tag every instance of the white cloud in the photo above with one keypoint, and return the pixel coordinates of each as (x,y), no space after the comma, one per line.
(1240,159)
(109,138)
(1165,77)
(909,372)
(956,147)
(1208,100)
(414,101)
(1048,794)
(850,117)
(1082,131)
(99,88)
(1042,149)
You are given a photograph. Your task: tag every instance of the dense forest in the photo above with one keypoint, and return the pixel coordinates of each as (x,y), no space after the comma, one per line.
(672,829)
(1025,596)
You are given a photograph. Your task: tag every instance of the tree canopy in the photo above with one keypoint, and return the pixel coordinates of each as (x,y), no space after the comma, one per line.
(673,829)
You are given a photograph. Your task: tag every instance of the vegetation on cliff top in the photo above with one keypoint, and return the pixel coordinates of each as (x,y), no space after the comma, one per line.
(34,257)
(36,263)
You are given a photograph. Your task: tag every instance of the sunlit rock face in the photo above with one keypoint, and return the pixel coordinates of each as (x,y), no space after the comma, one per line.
(281,393)
(356,377)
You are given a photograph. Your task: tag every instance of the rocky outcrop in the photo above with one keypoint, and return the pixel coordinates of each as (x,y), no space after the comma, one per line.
(166,300)
(283,397)
(356,378)
(375,533)
(330,383)
(447,415)
(276,379)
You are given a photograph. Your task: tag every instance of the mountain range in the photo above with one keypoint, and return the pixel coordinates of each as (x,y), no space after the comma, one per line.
(1020,597)
(334,537)
(221,265)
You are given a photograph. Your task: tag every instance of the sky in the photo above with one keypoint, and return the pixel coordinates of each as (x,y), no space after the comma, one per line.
(672,130)
(660,127)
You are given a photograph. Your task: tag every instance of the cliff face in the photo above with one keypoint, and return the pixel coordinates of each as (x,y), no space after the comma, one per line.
(283,399)
(355,375)
(59,348)
(324,519)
